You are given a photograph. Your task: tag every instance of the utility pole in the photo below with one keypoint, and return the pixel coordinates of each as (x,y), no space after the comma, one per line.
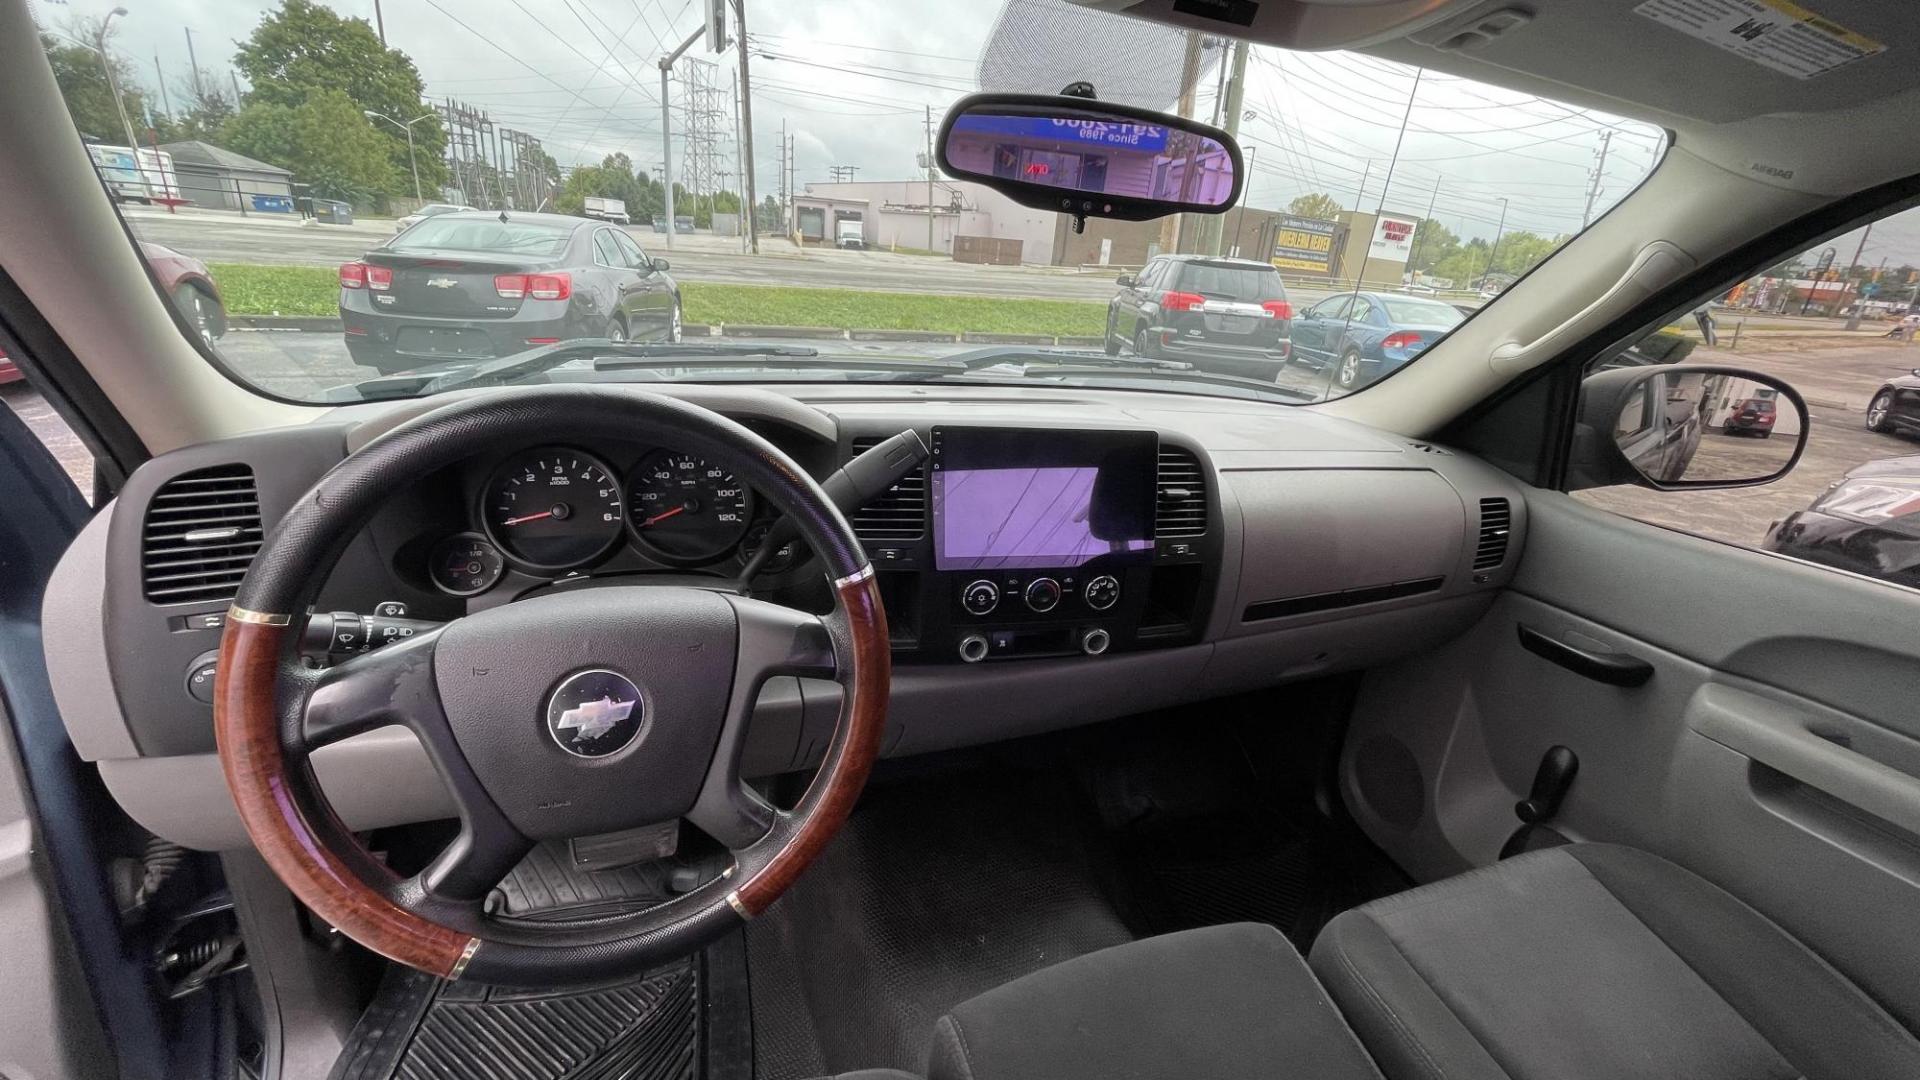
(119,106)
(781,180)
(929,159)
(1498,233)
(746,125)
(1235,96)
(236,88)
(198,91)
(380,22)
(1599,171)
(1419,238)
(161,78)
(1189,74)
(666,125)
(1246,193)
(1853,320)
(743,151)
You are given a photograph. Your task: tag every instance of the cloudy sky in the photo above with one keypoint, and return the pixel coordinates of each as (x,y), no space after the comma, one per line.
(852,81)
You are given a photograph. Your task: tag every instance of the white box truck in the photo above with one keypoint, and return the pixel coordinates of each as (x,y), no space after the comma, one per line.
(614,210)
(849,233)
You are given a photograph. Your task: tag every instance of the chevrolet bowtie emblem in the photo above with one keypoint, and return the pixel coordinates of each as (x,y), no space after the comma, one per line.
(594,713)
(595,718)
(442,282)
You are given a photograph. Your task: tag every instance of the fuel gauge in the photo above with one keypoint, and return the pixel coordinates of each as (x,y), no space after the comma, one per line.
(465,564)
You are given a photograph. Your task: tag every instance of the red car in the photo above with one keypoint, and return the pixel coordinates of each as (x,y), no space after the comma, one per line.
(186,281)
(1754,416)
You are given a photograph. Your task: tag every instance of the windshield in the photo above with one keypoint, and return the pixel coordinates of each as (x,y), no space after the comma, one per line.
(471,233)
(343,207)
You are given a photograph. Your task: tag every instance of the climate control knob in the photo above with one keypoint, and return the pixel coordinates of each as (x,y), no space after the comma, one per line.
(1043,594)
(980,598)
(1102,592)
(1095,641)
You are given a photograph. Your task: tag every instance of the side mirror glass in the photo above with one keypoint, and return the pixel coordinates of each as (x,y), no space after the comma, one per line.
(1090,158)
(1686,426)
(1125,281)
(661,265)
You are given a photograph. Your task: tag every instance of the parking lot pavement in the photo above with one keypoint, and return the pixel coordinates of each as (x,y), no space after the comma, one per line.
(40,418)
(1837,384)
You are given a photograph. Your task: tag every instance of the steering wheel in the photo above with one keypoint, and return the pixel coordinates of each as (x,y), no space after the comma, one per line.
(578,712)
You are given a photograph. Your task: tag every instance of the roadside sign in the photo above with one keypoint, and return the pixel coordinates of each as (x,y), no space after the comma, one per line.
(1304,244)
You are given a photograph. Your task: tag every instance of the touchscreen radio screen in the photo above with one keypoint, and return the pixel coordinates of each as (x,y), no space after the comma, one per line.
(1033,499)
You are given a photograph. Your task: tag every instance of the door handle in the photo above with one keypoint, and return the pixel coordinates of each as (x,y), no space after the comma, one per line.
(1614,669)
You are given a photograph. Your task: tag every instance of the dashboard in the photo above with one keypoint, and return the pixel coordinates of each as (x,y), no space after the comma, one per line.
(1062,557)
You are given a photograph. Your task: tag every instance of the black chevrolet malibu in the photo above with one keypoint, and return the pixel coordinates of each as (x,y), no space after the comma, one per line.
(481,284)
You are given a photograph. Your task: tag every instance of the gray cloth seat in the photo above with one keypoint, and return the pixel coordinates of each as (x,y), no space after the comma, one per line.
(1222,1003)
(1596,962)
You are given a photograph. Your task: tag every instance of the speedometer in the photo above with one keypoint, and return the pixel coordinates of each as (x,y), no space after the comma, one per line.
(552,508)
(684,509)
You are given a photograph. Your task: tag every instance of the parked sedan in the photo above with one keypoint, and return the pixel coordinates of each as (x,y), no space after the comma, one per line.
(186,281)
(1229,316)
(401,225)
(1867,522)
(1363,336)
(474,285)
(1754,416)
(1896,405)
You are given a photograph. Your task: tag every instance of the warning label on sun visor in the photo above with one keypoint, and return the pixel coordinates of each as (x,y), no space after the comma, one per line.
(1785,37)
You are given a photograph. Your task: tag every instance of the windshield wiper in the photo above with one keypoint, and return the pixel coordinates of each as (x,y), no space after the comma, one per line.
(1026,354)
(783,358)
(510,369)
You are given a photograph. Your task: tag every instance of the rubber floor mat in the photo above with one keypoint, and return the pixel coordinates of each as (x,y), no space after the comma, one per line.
(938,889)
(423,1028)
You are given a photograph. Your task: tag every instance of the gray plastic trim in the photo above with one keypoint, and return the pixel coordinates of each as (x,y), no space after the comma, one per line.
(73,628)
(380,778)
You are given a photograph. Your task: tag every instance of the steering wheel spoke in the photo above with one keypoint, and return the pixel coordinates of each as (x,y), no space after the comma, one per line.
(391,685)
(467,869)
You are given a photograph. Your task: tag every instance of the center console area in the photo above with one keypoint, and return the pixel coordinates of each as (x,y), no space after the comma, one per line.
(1031,542)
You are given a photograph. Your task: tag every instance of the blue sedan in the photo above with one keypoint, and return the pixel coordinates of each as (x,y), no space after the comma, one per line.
(1362,336)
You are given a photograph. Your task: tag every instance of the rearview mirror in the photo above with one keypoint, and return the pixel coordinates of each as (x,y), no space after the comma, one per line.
(1682,426)
(1090,158)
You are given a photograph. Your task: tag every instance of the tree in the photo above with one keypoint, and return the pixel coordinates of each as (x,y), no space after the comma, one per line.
(82,82)
(303,49)
(1433,243)
(207,111)
(1317,204)
(324,140)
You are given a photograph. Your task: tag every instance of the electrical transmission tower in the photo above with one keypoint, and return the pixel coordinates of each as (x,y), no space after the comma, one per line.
(708,115)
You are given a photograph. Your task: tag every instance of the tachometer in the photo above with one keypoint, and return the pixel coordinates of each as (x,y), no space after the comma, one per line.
(552,508)
(684,509)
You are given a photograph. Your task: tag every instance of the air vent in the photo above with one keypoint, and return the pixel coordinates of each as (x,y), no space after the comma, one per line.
(1496,524)
(201,532)
(898,515)
(1182,492)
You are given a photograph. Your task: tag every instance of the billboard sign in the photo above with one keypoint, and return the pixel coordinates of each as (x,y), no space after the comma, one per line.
(1392,238)
(1304,244)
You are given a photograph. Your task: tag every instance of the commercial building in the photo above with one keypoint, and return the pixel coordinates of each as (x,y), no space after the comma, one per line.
(220,179)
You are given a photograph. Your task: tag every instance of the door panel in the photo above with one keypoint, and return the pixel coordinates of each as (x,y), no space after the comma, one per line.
(1775,749)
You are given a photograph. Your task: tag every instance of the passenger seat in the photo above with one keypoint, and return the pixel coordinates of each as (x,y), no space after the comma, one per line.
(1596,962)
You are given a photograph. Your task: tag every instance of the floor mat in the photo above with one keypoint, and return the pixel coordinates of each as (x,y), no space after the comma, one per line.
(941,887)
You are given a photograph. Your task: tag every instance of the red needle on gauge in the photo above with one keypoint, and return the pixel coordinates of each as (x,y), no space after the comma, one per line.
(528,517)
(661,516)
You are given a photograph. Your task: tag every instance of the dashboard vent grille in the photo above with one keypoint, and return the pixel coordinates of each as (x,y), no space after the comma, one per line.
(900,514)
(201,533)
(1496,524)
(1182,496)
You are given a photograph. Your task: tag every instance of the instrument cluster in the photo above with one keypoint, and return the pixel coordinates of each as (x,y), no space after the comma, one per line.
(551,510)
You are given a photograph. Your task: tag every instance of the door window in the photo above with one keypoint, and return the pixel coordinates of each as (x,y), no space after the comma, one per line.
(606,252)
(46,424)
(630,251)
(1833,322)
(1332,308)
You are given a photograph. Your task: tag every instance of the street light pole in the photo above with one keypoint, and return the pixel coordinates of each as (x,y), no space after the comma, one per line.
(113,87)
(411,163)
(666,124)
(1498,233)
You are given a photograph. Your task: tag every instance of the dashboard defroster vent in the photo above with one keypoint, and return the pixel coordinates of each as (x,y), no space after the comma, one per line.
(1181,492)
(1496,524)
(900,514)
(201,532)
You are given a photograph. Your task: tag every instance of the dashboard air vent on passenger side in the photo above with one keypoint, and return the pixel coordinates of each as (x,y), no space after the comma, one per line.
(898,515)
(1496,524)
(201,532)
(1182,495)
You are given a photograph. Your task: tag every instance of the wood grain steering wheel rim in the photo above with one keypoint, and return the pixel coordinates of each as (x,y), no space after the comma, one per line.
(270,712)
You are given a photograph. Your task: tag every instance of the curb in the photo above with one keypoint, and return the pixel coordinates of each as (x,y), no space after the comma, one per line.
(1006,339)
(1079,341)
(902,335)
(817,333)
(316,323)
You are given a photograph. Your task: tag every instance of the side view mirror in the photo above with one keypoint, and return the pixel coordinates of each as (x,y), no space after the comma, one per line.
(1683,426)
(1125,281)
(660,265)
(1090,158)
